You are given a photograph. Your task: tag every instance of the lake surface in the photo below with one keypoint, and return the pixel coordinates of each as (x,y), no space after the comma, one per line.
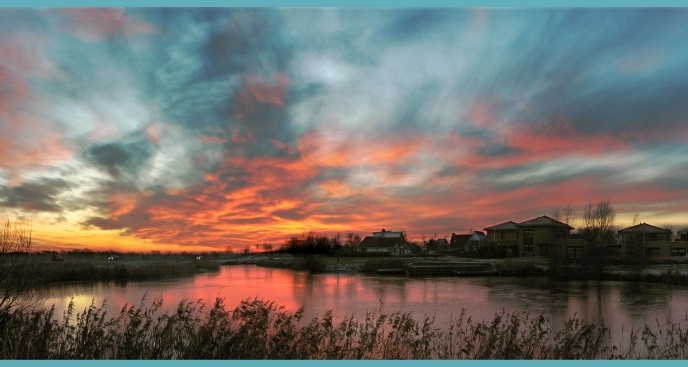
(619,305)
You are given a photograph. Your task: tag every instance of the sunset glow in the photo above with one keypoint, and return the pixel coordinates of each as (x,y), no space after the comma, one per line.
(204,129)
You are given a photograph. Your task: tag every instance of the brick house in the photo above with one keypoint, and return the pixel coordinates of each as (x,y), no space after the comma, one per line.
(648,240)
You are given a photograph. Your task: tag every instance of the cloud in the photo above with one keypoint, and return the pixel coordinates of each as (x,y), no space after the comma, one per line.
(40,195)
(240,126)
(120,159)
(97,24)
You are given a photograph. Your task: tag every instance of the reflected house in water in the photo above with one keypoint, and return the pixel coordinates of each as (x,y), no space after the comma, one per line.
(385,242)
(541,236)
(646,239)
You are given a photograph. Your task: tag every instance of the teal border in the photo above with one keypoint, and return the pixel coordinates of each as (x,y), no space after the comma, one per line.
(346,3)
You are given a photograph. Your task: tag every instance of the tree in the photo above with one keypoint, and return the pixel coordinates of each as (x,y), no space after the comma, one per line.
(636,218)
(18,272)
(352,240)
(599,223)
(567,215)
(563,215)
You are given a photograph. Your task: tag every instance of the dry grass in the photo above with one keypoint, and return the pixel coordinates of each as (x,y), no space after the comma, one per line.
(259,329)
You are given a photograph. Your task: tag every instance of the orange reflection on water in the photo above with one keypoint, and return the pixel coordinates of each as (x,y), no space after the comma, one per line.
(619,306)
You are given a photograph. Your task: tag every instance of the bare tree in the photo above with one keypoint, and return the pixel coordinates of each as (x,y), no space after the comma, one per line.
(636,218)
(556,214)
(670,228)
(352,239)
(17,268)
(599,223)
(567,215)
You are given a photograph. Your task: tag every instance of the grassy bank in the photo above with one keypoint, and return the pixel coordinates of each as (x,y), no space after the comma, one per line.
(261,330)
(40,272)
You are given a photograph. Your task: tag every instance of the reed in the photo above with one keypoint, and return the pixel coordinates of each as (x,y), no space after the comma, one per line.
(258,329)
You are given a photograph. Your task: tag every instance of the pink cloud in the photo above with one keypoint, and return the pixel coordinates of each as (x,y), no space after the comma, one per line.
(256,91)
(482,114)
(97,24)
(24,141)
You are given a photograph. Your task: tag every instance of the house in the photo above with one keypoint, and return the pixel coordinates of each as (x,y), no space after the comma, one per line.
(464,243)
(385,242)
(542,236)
(646,239)
(545,236)
(682,235)
(438,245)
(457,242)
(504,235)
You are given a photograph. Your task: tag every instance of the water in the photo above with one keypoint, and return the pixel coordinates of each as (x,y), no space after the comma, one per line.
(619,305)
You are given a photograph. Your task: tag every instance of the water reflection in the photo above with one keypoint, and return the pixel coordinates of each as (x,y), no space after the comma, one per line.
(618,305)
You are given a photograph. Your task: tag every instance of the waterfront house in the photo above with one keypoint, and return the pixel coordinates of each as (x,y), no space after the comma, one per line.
(465,243)
(545,236)
(504,235)
(541,236)
(438,245)
(385,243)
(648,240)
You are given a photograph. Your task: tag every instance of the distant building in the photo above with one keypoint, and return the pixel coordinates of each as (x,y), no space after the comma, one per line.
(541,236)
(646,239)
(438,245)
(385,242)
(545,236)
(504,235)
(466,243)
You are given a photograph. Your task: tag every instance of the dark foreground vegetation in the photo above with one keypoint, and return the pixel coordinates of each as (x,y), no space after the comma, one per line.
(258,329)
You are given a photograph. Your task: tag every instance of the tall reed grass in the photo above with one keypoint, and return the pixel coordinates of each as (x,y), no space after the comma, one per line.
(258,329)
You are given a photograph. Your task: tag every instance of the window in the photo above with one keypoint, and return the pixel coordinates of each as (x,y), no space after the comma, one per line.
(558,235)
(528,241)
(574,252)
(614,250)
(544,249)
(502,235)
(678,251)
(627,236)
(652,251)
(634,250)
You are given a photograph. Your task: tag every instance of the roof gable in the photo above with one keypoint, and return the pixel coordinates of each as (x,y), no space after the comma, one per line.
(506,226)
(544,221)
(388,234)
(644,228)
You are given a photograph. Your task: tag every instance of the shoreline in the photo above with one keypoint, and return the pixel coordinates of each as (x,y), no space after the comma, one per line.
(668,271)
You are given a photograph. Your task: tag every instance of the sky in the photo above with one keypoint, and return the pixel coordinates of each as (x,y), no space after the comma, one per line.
(180,129)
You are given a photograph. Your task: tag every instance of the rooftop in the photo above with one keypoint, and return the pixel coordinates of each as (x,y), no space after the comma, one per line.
(506,226)
(644,228)
(388,234)
(544,221)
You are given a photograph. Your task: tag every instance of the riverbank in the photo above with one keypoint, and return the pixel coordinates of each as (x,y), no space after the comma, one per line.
(42,268)
(670,270)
